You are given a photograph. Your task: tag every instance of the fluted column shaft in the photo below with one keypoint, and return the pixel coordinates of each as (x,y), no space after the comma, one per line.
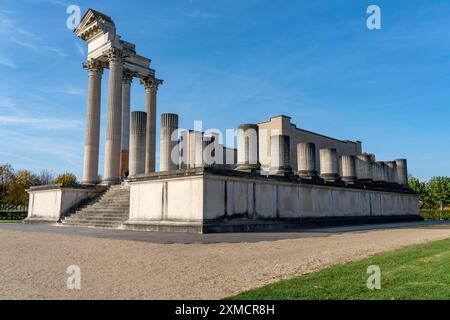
(306,157)
(329,165)
(402,172)
(247,147)
(280,155)
(137,142)
(125,144)
(348,165)
(168,151)
(91,147)
(113,130)
(151,90)
(364,168)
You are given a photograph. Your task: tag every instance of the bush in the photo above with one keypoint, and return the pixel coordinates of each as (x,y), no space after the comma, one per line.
(435,214)
(13,215)
(66,179)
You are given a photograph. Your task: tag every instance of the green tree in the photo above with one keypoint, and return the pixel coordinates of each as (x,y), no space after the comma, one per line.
(6,178)
(16,192)
(439,189)
(66,179)
(419,187)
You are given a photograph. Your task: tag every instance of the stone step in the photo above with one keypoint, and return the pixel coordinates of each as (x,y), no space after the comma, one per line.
(95,220)
(95,225)
(110,210)
(102,214)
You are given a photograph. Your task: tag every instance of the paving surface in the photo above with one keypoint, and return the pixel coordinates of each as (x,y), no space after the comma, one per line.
(138,265)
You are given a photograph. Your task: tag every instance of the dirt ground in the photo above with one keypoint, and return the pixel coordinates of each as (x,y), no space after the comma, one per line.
(33,265)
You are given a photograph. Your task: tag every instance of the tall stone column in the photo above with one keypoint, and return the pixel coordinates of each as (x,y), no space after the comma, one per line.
(126,100)
(184,149)
(402,171)
(168,151)
(113,130)
(91,147)
(195,149)
(306,157)
(280,155)
(137,142)
(247,148)
(329,165)
(151,90)
(348,165)
(364,168)
(391,171)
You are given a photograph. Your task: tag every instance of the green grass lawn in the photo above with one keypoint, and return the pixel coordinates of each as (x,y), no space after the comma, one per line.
(10,221)
(418,272)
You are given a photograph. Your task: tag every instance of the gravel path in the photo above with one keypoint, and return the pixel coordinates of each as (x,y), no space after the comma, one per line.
(33,265)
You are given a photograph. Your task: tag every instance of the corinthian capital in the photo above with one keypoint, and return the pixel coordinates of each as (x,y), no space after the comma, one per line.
(94,67)
(151,84)
(128,76)
(115,55)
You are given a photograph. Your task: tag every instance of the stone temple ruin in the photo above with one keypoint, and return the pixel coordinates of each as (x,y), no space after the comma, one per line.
(279,177)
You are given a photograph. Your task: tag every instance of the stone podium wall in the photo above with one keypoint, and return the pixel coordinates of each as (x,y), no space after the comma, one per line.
(50,203)
(193,200)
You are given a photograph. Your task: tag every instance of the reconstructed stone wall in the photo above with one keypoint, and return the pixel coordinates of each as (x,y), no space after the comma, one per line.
(197,198)
(284,126)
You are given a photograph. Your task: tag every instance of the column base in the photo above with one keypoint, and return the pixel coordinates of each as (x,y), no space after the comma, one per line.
(281,171)
(308,174)
(248,168)
(111,182)
(330,177)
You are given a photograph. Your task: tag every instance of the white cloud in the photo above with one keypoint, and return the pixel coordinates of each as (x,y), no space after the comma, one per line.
(54,2)
(71,91)
(196,14)
(40,123)
(8,63)
(11,31)
(80,49)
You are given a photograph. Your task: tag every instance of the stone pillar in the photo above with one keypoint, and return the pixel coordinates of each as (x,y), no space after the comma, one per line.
(113,130)
(280,155)
(195,149)
(91,147)
(126,99)
(137,142)
(379,172)
(247,146)
(402,172)
(306,157)
(391,171)
(168,151)
(184,149)
(364,168)
(329,165)
(348,167)
(212,151)
(151,90)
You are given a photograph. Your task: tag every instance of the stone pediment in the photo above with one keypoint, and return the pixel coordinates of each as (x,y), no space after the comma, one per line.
(93,24)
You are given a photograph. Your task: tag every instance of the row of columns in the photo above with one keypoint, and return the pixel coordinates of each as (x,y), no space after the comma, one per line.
(347,168)
(117,144)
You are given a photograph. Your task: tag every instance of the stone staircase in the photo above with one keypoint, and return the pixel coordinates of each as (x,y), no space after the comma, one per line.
(110,210)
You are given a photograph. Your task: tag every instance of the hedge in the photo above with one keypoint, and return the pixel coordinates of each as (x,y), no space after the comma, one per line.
(13,215)
(435,214)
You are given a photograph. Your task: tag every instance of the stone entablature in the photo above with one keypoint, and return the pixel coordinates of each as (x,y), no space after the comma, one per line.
(106,49)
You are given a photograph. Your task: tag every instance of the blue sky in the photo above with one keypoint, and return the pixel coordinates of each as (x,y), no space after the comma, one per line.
(231,62)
